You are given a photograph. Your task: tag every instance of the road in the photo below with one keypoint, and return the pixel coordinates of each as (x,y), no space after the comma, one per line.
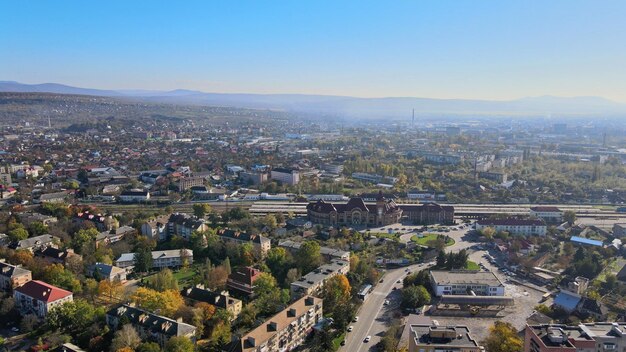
(371,314)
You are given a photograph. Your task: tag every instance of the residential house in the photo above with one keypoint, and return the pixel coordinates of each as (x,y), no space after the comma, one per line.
(156,228)
(260,243)
(55,255)
(221,300)
(58,197)
(160,259)
(106,272)
(184,225)
(326,252)
(149,326)
(37,297)
(12,276)
(114,235)
(284,331)
(242,280)
(36,243)
(312,283)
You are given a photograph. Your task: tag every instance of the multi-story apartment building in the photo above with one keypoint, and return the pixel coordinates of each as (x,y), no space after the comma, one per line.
(313,282)
(160,259)
(13,276)
(548,214)
(184,225)
(589,337)
(253,178)
(221,300)
(500,177)
(525,227)
(463,282)
(285,330)
(326,252)
(261,243)
(37,297)
(149,326)
(186,183)
(156,228)
(286,176)
(435,338)
(242,280)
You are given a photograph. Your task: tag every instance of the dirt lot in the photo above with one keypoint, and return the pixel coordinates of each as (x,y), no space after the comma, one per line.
(525,301)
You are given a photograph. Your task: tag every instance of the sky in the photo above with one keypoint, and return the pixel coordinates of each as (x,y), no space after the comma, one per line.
(495,50)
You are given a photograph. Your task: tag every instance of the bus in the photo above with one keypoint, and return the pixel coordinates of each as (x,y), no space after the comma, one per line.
(365,291)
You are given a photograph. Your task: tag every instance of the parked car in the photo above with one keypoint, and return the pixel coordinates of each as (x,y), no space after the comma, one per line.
(350,328)
(367,339)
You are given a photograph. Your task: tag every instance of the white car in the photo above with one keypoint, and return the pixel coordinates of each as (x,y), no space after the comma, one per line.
(386,302)
(15,329)
(355,319)
(350,328)
(367,339)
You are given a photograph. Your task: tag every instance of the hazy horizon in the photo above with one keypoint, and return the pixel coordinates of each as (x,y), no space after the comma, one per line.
(436,49)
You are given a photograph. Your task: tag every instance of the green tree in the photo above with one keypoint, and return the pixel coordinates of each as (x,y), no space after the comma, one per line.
(163,280)
(17,234)
(569,216)
(270,298)
(201,209)
(179,344)
(503,337)
(414,296)
(74,316)
(309,256)
(149,347)
(37,228)
(143,259)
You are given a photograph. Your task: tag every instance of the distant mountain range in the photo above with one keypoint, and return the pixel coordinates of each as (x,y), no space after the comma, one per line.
(344,106)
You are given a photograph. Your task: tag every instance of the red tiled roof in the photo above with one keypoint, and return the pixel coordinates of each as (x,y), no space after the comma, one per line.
(43,291)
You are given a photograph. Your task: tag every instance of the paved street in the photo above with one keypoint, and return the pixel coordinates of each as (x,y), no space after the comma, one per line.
(371,315)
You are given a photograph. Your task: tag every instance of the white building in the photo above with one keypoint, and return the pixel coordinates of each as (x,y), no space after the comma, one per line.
(313,282)
(134,196)
(286,176)
(464,282)
(160,259)
(549,214)
(525,227)
(37,297)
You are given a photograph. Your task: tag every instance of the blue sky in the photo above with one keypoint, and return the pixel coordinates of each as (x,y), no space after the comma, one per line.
(441,49)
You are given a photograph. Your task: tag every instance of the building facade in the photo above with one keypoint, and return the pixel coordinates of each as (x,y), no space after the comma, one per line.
(548,214)
(465,282)
(37,297)
(160,259)
(149,326)
(260,243)
(13,276)
(524,227)
(287,176)
(313,282)
(221,300)
(355,212)
(285,330)
(428,213)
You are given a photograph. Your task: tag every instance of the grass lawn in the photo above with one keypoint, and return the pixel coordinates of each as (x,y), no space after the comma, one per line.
(337,341)
(184,275)
(471,265)
(423,241)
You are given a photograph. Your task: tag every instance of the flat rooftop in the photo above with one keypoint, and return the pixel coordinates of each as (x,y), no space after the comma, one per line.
(456,277)
(449,336)
(321,273)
